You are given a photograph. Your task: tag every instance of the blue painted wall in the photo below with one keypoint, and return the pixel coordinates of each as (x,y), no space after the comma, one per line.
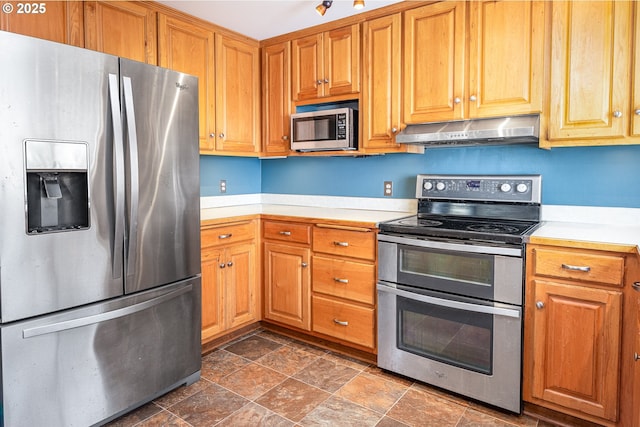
(581,176)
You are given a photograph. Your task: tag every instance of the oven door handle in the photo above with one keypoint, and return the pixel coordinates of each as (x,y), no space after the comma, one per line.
(499,311)
(448,246)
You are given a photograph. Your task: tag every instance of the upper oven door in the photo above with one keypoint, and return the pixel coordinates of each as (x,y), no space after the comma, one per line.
(491,273)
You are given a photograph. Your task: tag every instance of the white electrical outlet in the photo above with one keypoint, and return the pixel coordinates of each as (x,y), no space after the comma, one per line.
(223,185)
(388,188)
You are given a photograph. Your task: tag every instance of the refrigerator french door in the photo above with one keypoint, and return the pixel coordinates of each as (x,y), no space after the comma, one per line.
(99,233)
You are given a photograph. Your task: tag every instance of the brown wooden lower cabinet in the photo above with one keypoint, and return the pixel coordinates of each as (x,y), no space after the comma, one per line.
(230,287)
(574,331)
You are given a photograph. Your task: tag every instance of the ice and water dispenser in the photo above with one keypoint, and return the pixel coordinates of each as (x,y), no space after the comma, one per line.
(57,193)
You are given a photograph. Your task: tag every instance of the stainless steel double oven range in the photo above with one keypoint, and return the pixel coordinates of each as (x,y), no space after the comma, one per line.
(450,289)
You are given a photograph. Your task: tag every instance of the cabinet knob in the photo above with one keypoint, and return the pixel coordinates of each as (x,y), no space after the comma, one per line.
(457,100)
(394,130)
(473,98)
(212,135)
(221,135)
(230,264)
(318,82)
(540,304)
(617,114)
(636,286)
(285,137)
(326,80)
(222,265)
(304,265)
(637,112)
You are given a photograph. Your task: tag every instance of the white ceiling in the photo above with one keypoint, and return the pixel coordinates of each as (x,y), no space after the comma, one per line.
(269,18)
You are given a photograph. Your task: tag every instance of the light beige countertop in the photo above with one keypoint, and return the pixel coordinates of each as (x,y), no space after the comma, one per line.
(590,226)
(369,211)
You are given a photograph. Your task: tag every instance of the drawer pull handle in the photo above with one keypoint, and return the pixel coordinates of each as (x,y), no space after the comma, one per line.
(343,244)
(225,236)
(341,322)
(339,280)
(285,233)
(576,268)
(636,357)
(636,286)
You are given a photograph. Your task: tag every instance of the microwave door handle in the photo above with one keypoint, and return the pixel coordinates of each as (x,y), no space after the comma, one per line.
(450,303)
(133,177)
(118,176)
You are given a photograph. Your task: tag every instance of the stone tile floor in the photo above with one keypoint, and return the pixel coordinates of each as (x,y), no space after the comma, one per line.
(265,379)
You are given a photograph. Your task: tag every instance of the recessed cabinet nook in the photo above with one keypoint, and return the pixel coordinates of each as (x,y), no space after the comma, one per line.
(576,63)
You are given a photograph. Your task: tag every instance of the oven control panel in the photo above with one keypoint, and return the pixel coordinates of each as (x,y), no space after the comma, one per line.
(502,188)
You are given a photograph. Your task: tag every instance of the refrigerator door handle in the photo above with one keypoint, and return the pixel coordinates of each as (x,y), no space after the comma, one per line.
(133,176)
(118,176)
(102,317)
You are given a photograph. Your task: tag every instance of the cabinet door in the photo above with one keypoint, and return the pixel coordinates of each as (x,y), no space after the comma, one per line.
(576,347)
(434,39)
(287,280)
(506,57)
(382,82)
(189,48)
(276,98)
(307,68)
(590,69)
(58,21)
(341,61)
(636,365)
(121,28)
(241,285)
(635,100)
(237,96)
(212,293)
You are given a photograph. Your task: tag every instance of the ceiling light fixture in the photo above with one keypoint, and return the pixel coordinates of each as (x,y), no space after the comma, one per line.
(322,7)
(358,4)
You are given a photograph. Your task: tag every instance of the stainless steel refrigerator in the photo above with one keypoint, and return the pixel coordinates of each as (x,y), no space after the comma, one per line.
(99,233)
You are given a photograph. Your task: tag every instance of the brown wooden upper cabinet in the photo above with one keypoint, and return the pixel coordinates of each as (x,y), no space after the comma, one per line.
(276,98)
(189,48)
(58,21)
(591,82)
(237,96)
(505,70)
(382,84)
(326,64)
(122,28)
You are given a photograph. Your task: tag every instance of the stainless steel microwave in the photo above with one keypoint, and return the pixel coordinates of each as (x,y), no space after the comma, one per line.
(334,129)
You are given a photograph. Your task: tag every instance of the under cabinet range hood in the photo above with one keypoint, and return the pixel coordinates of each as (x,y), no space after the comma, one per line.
(492,131)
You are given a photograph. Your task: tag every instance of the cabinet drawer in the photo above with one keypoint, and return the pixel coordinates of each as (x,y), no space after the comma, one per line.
(345,242)
(226,234)
(607,269)
(345,279)
(287,232)
(344,321)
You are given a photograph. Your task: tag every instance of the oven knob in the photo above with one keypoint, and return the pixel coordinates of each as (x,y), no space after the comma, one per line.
(522,188)
(505,188)
(440,186)
(428,185)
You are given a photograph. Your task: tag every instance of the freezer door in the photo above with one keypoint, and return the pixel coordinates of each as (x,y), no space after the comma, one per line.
(163,180)
(54,101)
(91,364)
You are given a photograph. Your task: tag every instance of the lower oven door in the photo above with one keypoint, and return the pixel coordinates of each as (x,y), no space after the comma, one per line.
(467,346)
